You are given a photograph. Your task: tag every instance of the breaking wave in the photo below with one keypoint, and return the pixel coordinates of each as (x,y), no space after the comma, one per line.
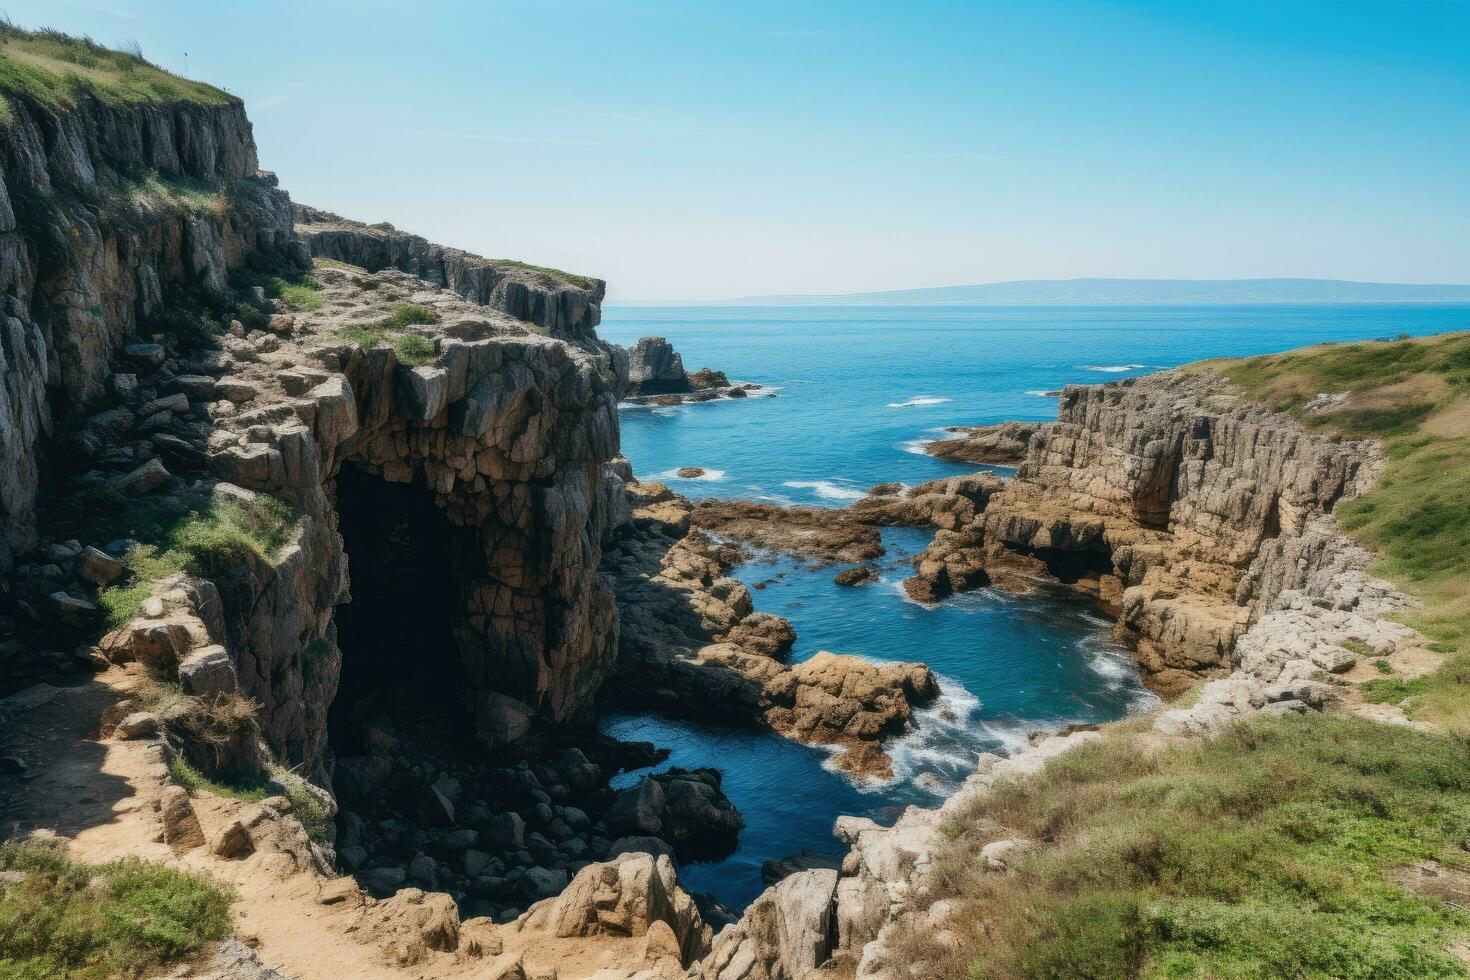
(826,489)
(919,400)
(673,474)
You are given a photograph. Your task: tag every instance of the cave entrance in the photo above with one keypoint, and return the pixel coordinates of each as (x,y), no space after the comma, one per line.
(399,657)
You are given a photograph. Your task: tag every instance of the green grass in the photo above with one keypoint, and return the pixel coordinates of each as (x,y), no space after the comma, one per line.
(197,782)
(411,348)
(132,198)
(307,809)
(581,282)
(414,349)
(320,262)
(87,922)
(299,292)
(365,335)
(58,71)
(408,314)
(201,535)
(1262,853)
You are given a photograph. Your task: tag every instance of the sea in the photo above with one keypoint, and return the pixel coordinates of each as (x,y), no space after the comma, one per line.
(851,395)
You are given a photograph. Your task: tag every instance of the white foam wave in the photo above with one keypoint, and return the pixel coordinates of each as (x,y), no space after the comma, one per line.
(826,489)
(1044,393)
(915,446)
(948,738)
(775,498)
(673,474)
(919,401)
(1113,368)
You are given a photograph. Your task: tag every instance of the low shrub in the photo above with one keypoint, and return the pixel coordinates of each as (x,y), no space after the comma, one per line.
(60,918)
(408,314)
(413,349)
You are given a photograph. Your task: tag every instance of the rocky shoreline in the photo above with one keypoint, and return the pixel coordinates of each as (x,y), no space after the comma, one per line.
(337,579)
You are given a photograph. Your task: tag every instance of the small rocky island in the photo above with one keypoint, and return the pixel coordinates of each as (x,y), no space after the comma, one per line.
(656,376)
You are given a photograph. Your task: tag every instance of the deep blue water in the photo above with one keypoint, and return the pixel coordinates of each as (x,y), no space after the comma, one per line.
(856,388)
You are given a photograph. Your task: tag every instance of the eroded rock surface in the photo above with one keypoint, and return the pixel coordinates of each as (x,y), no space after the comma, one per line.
(655,375)
(1186,512)
(691,643)
(567,306)
(1006,443)
(809,532)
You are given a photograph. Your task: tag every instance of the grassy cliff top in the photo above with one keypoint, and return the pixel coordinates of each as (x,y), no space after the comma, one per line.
(1412,394)
(56,70)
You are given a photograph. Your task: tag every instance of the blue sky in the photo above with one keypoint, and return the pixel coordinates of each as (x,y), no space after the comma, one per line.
(705,150)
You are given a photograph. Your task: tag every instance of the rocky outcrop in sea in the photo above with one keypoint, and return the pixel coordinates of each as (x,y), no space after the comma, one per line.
(656,376)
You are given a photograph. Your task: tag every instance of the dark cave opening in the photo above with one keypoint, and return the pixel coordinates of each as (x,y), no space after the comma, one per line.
(399,655)
(1073,565)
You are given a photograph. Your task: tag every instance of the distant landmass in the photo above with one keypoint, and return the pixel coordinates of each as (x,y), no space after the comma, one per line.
(1134,292)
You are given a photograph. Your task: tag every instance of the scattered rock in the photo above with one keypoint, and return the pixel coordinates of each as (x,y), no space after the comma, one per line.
(139,724)
(861,575)
(145,479)
(233,841)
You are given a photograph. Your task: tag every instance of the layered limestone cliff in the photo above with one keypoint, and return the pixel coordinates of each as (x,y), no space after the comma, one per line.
(1185,510)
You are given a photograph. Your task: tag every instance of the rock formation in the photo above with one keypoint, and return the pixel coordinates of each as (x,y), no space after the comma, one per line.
(1005,443)
(692,644)
(655,368)
(564,305)
(656,376)
(808,532)
(88,256)
(1186,512)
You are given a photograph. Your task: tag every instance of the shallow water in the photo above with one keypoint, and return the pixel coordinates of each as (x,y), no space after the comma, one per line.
(857,389)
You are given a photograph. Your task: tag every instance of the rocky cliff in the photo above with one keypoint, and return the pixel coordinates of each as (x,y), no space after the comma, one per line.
(107,213)
(1184,509)
(565,305)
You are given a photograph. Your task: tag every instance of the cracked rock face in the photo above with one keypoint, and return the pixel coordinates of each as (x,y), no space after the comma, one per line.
(79,278)
(510,433)
(1186,512)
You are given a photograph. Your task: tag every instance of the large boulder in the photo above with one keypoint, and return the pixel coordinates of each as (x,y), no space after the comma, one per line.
(786,933)
(627,896)
(685,808)
(655,368)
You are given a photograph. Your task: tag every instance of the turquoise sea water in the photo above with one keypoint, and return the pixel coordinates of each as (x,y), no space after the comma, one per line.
(856,390)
